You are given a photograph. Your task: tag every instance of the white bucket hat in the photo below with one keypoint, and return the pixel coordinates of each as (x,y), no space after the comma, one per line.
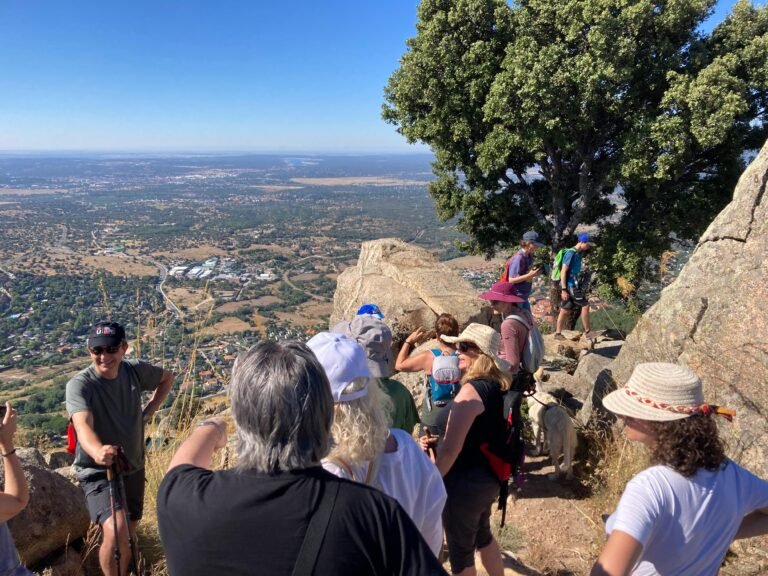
(485,338)
(661,392)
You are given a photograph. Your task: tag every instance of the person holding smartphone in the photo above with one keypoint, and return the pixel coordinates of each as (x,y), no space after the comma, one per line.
(14,497)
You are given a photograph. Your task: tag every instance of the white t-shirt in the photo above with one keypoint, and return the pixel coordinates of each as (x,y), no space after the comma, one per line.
(410,477)
(686,524)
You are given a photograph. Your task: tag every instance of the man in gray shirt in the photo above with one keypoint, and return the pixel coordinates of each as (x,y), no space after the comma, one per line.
(105,405)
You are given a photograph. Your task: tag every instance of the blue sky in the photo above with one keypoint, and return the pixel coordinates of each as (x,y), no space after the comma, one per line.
(194,75)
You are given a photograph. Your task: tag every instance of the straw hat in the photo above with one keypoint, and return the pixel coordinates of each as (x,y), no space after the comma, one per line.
(659,392)
(485,338)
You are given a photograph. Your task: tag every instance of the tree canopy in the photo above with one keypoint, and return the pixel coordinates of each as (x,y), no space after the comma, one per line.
(538,111)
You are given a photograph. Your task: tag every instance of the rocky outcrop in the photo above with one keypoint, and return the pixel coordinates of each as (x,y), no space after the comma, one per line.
(407,283)
(55,516)
(714,318)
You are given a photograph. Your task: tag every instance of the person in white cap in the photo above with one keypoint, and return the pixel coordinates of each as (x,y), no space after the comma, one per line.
(366,449)
(476,419)
(375,337)
(679,516)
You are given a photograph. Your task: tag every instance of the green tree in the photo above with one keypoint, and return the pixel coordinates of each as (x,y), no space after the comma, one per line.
(536,111)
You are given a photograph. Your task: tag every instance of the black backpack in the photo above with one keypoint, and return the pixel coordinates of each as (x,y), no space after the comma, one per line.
(506,454)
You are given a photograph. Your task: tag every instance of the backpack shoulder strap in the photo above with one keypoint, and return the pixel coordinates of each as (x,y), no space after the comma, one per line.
(437,353)
(343,464)
(318,526)
(521,320)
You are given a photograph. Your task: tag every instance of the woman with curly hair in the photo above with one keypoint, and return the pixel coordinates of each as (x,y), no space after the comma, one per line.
(365,449)
(679,516)
(475,419)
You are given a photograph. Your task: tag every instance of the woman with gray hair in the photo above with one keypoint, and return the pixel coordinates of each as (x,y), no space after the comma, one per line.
(279,512)
(366,449)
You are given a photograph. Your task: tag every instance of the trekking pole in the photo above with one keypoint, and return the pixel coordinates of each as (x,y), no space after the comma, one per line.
(431,450)
(112,506)
(132,543)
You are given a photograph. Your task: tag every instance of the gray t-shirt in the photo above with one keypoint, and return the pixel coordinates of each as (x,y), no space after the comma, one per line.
(116,408)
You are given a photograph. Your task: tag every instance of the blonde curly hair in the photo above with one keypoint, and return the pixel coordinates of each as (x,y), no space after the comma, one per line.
(360,427)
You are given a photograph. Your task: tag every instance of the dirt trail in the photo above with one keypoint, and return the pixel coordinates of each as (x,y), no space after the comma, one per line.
(549,529)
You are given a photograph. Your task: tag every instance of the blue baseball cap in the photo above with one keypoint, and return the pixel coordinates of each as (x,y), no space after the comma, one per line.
(371,310)
(533,237)
(584,237)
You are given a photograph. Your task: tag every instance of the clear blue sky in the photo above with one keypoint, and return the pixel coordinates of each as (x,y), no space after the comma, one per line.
(203,75)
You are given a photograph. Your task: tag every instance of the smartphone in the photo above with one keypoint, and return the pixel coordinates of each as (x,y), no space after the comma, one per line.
(3,410)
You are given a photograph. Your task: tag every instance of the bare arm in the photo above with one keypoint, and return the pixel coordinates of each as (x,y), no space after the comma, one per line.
(159,395)
(754,524)
(527,277)
(421,361)
(465,408)
(15,495)
(563,282)
(198,449)
(89,441)
(619,555)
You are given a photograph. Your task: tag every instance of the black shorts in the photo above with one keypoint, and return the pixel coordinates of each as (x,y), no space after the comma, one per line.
(467,514)
(98,500)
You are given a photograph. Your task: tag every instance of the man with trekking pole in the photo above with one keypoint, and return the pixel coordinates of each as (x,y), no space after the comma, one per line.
(105,406)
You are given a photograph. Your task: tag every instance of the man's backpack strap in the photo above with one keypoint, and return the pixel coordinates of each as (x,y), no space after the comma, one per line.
(318,526)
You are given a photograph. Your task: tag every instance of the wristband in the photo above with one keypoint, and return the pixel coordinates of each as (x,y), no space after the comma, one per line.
(11,453)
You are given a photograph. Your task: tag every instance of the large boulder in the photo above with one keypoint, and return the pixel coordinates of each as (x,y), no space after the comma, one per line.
(408,284)
(55,516)
(714,318)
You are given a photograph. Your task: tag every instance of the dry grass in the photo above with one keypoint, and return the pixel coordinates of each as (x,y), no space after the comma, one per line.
(119,265)
(228,325)
(613,461)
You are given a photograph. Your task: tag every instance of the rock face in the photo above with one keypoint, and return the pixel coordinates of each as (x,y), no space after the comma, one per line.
(714,318)
(55,516)
(409,285)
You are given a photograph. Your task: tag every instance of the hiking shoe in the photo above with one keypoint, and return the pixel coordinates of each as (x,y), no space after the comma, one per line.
(558,336)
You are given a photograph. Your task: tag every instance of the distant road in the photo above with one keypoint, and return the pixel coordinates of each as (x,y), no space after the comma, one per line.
(4,271)
(163,277)
(287,280)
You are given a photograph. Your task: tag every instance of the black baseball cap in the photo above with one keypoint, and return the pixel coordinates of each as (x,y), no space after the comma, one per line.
(106,334)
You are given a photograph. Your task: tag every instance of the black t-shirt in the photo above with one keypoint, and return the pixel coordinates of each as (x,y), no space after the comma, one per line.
(244,522)
(487,427)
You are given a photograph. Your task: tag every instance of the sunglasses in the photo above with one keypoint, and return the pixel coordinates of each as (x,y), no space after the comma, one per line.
(464,347)
(98,350)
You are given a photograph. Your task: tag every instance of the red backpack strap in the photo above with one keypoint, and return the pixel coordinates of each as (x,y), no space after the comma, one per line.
(71,438)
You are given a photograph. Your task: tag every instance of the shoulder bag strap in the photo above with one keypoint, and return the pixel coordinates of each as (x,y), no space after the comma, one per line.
(341,463)
(318,525)
(373,470)
(521,320)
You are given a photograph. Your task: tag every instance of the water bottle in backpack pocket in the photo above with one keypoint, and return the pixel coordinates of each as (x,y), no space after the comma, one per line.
(444,381)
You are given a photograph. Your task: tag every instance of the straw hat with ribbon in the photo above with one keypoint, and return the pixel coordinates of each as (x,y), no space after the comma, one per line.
(660,392)
(485,338)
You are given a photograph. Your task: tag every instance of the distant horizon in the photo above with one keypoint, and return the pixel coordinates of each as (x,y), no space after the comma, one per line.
(422,151)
